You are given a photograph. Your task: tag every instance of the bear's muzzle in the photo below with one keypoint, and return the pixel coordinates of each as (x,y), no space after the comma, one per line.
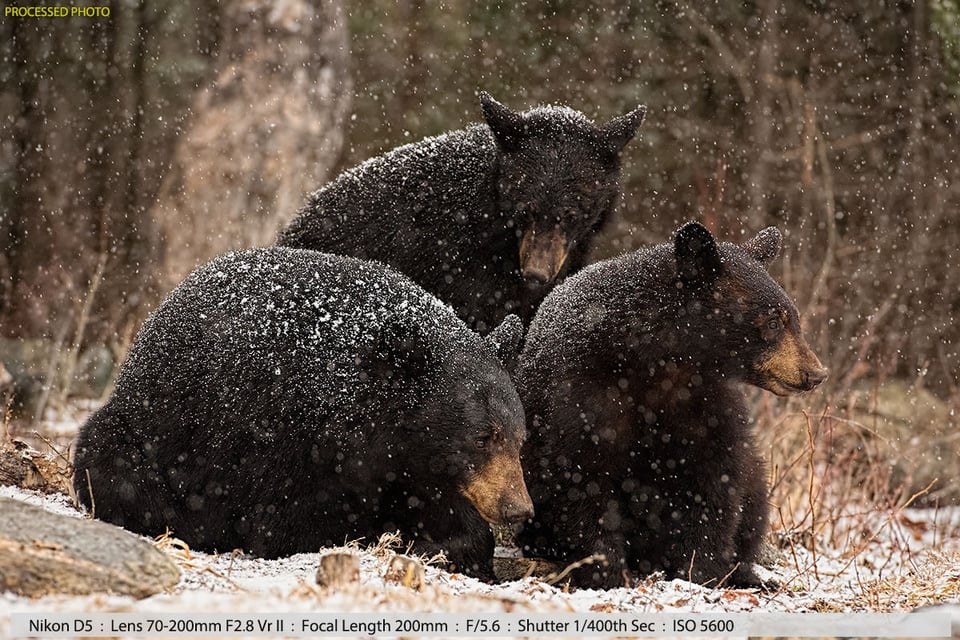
(498,492)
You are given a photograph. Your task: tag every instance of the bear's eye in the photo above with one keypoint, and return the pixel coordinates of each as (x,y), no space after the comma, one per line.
(482,442)
(771,328)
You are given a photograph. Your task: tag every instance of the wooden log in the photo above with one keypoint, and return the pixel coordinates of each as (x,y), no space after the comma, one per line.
(21,466)
(407,571)
(338,570)
(44,553)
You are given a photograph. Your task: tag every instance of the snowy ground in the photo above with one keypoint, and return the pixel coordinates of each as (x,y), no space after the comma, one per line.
(893,560)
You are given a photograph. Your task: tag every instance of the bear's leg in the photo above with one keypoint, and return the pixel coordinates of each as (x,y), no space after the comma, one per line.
(597,531)
(720,541)
(464,538)
(574,532)
(689,539)
(610,572)
(704,560)
(753,526)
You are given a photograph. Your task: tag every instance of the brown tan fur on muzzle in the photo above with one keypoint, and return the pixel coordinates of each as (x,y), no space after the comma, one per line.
(498,491)
(791,367)
(542,254)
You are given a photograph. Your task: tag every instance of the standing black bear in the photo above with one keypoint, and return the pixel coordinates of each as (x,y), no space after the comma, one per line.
(486,218)
(640,447)
(283,399)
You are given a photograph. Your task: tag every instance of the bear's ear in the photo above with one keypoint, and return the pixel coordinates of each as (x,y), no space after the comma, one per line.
(506,340)
(698,257)
(765,246)
(508,126)
(619,131)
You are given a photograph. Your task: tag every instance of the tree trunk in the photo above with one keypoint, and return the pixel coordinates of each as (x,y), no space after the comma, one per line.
(268,130)
(760,116)
(24,228)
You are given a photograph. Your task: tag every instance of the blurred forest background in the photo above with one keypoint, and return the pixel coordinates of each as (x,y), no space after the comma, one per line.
(134,147)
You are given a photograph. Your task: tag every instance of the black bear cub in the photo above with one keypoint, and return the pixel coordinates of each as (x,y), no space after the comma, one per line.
(486,218)
(281,400)
(640,446)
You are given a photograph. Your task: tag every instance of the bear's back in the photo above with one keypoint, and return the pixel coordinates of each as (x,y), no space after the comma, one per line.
(293,325)
(411,193)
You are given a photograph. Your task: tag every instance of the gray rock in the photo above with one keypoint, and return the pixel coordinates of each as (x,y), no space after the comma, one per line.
(44,553)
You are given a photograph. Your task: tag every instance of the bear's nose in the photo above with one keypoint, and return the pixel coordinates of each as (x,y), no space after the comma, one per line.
(537,275)
(516,512)
(814,377)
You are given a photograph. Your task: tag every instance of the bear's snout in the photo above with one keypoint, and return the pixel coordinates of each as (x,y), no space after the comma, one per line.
(813,377)
(790,368)
(515,512)
(542,255)
(498,492)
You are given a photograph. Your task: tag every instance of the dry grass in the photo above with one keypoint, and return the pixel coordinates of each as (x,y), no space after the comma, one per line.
(842,484)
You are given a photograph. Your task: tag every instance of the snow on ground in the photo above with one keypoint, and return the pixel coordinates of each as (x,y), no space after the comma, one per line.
(893,560)
(886,577)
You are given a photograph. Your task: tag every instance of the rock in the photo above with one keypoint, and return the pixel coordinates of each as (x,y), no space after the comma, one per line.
(338,570)
(768,555)
(44,553)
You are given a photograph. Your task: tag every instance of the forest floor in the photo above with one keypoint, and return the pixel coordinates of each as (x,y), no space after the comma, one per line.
(887,560)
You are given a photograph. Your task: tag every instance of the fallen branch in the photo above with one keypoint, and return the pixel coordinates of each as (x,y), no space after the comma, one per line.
(21,466)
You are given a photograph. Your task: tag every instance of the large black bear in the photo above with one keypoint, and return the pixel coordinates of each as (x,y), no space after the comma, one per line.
(283,399)
(486,218)
(640,446)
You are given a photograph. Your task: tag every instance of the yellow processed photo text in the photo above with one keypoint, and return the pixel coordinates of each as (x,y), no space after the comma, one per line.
(58,11)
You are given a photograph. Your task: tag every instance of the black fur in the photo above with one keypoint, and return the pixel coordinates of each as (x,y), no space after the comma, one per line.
(283,399)
(451,211)
(640,444)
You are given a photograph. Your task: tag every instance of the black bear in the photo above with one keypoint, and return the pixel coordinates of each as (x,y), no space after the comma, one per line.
(486,218)
(640,445)
(283,399)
